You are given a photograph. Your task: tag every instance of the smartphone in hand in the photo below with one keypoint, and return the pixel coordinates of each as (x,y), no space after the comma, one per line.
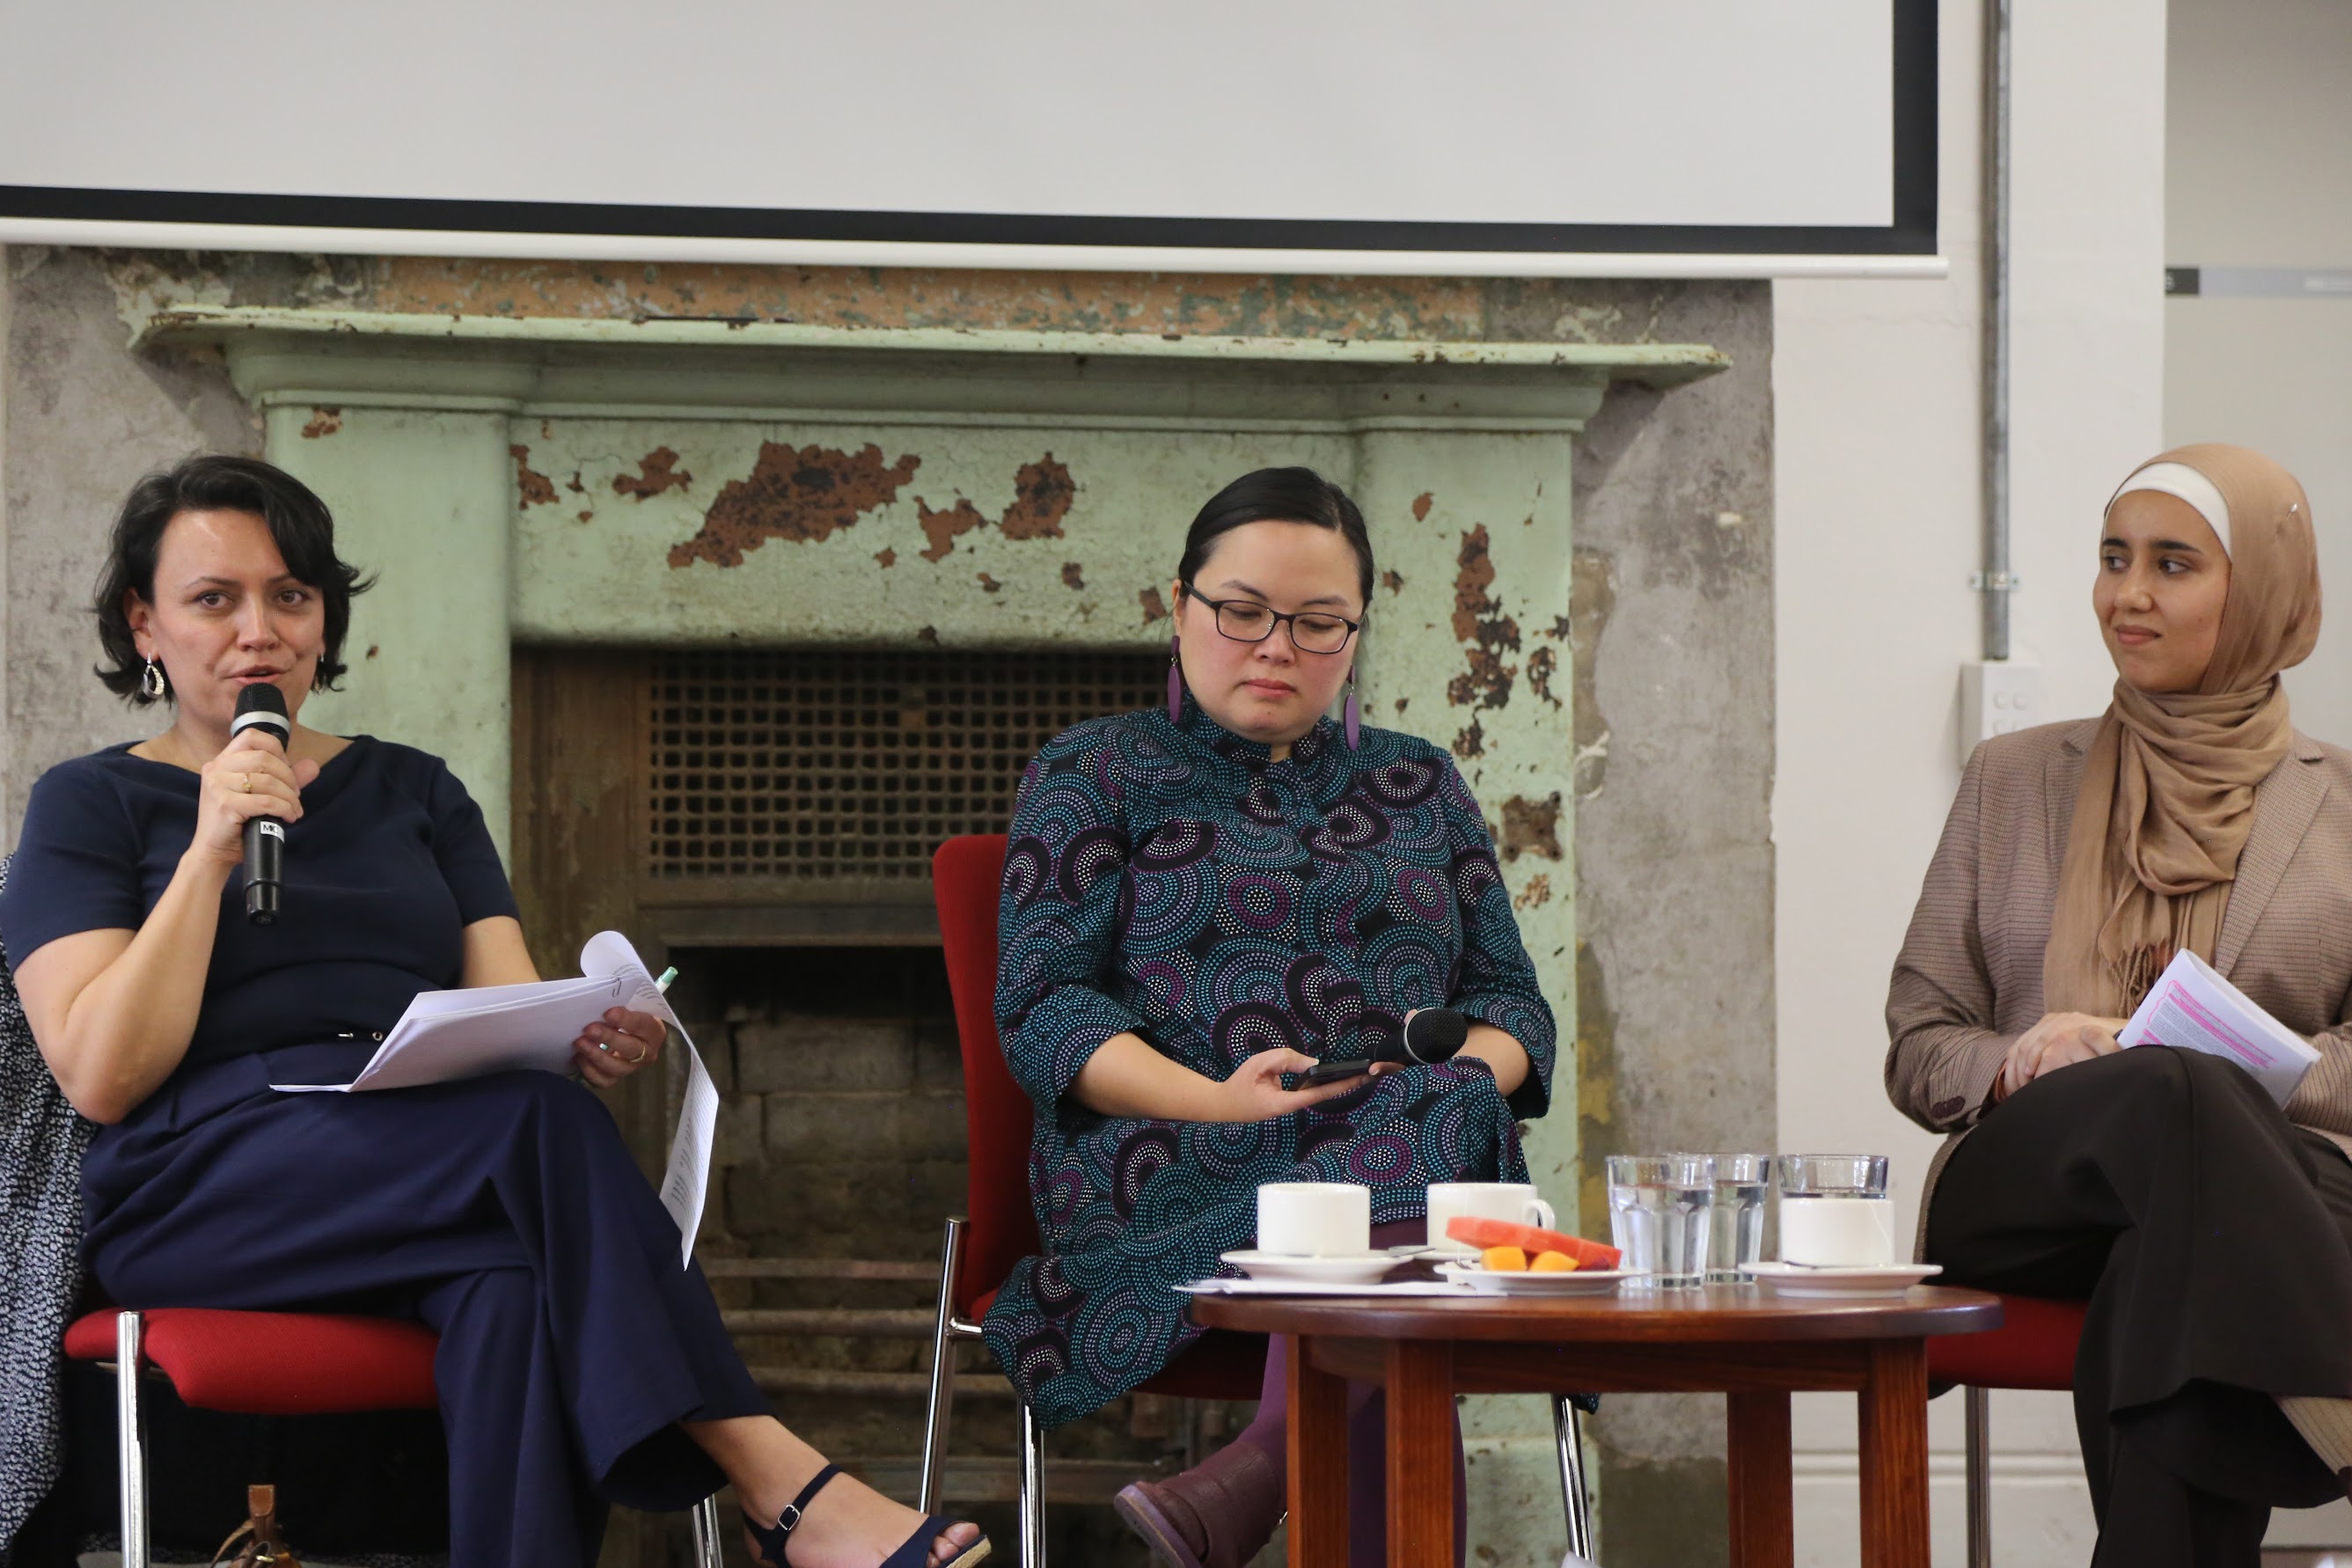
(1332,1072)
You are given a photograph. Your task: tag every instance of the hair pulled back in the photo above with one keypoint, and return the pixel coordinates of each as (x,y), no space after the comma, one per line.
(1278,495)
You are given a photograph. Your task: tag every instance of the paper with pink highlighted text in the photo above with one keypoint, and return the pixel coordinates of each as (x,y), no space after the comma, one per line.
(2191,1006)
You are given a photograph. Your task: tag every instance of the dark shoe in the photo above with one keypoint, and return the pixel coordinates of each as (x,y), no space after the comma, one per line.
(773,1540)
(1218,1514)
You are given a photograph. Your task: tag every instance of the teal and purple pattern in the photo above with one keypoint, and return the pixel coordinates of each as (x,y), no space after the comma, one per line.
(1167,878)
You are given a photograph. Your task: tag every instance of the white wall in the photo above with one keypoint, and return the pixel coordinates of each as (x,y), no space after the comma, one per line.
(2260,128)
(1876,389)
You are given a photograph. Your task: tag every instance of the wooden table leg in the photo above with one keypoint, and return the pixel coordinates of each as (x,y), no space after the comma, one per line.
(1894,1456)
(1319,1462)
(1763,1509)
(1421,1453)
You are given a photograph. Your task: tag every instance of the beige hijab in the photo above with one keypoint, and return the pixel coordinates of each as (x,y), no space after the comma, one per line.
(2168,792)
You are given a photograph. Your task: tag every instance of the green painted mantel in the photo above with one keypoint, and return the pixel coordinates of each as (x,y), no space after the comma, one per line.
(699,483)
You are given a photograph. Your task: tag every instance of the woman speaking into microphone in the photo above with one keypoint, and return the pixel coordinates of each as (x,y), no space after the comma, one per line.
(579,1364)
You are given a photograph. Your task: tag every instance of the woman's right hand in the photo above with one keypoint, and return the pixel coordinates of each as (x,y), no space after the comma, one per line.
(1254,1091)
(2056,1040)
(250,778)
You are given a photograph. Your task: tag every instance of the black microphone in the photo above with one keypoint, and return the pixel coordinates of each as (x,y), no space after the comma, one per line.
(259,706)
(1432,1035)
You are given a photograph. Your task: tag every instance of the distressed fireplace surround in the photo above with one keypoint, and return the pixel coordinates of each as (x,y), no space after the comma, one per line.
(693,483)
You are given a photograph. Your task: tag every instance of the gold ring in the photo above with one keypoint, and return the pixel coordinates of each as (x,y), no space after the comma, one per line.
(639,1059)
(247,783)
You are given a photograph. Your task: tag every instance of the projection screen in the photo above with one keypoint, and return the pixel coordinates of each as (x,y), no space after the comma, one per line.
(1526,137)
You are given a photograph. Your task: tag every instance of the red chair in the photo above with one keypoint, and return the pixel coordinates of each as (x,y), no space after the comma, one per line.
(268,1363)
(2034,1348)
(1000,1230)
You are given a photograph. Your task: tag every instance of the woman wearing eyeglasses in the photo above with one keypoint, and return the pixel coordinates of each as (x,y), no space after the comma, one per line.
(1199,904)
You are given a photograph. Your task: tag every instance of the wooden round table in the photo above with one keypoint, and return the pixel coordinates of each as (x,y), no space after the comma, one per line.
(1739,1340)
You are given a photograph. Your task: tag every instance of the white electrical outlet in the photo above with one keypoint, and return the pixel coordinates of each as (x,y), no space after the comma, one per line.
(1997,697)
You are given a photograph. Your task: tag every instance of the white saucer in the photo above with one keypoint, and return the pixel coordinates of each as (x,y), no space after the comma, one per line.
(1858,1280)
(1573,1282)
(1351,1268)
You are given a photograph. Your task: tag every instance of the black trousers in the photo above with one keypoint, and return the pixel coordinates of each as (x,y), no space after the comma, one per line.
(2213,1239)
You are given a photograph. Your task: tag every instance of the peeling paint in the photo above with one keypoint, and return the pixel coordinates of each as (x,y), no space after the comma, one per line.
(1535,895)
(1470,742)
(1073,575)
(574,484)
(323,422)
(1542,665)
(1392,581)
(988,584)
(1478,618)
(657,472)
(1421,505)
(801,494)
(942,527)
(1531,827)
(885,558)
(1042,494)
(535,488)
(1153,610)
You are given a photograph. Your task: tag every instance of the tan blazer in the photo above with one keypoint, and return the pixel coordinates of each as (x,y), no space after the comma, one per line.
(1968,980)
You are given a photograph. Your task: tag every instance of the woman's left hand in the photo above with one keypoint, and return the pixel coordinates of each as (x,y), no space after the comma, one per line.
(618,1044)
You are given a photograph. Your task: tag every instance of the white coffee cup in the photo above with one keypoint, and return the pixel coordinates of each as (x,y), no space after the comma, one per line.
(1315,1219)
(1513,1202)
(1845,1231)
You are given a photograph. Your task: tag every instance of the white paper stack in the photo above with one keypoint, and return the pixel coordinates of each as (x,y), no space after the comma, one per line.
(446,1036)
(2191,1005)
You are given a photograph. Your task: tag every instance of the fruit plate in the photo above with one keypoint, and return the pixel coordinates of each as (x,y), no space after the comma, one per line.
(1351,1268)
(1573,1282)
(1860,1279)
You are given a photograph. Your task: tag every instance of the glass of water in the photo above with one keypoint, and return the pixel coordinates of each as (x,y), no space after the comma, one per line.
(1737,1230)
(1659,1206)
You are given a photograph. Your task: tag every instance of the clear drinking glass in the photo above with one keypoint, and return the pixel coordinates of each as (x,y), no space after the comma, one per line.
(1737,1232)
(1835,1212)
(1659,1206)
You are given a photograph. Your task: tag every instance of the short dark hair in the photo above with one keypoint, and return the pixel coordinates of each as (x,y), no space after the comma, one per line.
(1278,495)
(299,522)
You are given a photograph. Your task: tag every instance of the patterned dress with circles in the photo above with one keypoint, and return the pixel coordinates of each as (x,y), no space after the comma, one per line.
(1169,879)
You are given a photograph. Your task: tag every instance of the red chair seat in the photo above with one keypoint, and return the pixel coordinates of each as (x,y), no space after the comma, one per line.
(275,1364)
(2034,1348)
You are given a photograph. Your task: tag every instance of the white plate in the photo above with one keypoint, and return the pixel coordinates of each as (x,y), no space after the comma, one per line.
(1573,1282)
(1860,1279)
(1353,1268)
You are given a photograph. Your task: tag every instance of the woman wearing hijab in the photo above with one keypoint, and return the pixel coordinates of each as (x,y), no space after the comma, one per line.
(2211,1231)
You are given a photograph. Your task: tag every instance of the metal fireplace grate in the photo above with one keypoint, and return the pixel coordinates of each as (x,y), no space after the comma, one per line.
(839,765)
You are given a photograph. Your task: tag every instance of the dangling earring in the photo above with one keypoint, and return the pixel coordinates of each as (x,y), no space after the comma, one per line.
(152,683)
(1175,683)
(1351,713)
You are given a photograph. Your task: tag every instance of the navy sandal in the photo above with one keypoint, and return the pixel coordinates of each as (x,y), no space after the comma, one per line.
(772,1539)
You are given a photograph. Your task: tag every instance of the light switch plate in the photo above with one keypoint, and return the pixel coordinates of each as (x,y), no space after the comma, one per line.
(1997,697)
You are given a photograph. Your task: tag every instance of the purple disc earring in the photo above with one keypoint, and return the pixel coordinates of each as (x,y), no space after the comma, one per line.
(1175,683)
(1352,715)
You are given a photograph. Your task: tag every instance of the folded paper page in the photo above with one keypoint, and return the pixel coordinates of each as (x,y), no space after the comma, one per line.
(2191,1006)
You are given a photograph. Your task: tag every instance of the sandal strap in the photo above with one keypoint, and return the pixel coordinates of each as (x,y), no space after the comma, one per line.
(790,1520)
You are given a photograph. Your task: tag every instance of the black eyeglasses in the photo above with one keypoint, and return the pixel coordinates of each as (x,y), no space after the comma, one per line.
(1245,620)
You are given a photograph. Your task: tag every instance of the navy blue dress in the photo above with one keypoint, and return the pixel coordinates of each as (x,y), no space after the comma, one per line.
(505,1211)
(1169,879)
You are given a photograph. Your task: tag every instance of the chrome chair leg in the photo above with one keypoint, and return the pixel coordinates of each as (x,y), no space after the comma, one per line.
(705,1532)
(1567,1432)
(943,1338)
(1032,1489)
(128,1327)
(1979,1408)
